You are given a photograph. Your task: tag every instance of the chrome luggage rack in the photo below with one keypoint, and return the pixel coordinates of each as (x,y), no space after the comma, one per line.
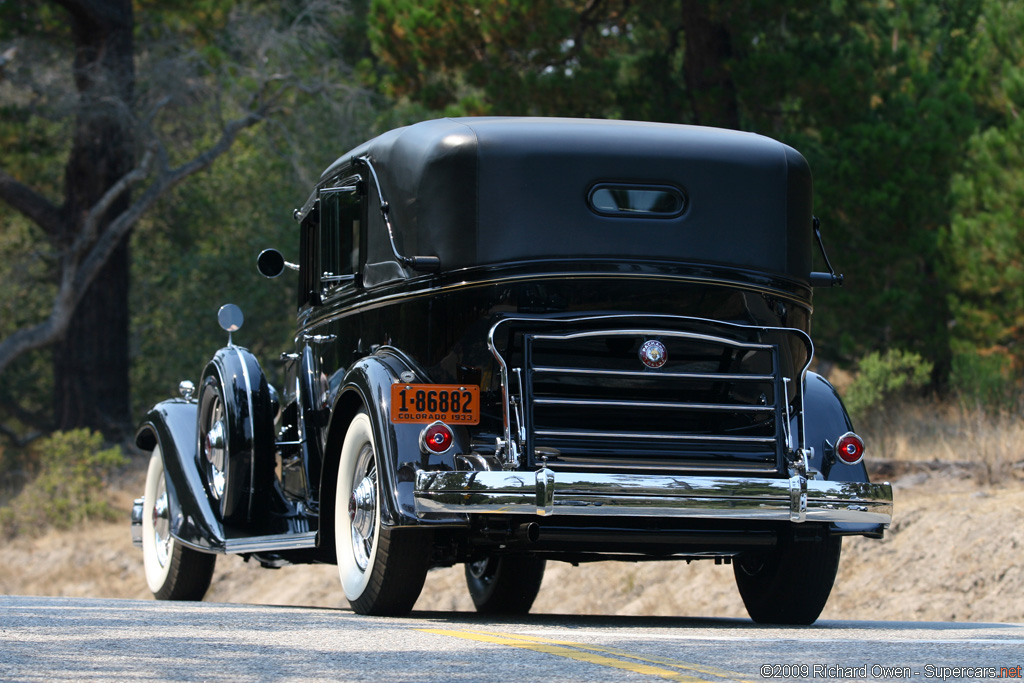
(726,399)
(530,476)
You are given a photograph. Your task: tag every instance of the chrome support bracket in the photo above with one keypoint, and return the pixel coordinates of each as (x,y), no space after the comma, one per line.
(511,460)
(319,338)
(545,491)
(509,447)
(797,498)
(805,460)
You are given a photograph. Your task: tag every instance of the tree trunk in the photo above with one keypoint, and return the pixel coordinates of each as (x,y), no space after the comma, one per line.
(91,362)
(709,84)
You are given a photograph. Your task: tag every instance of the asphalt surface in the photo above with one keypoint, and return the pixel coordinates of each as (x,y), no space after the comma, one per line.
(62,639)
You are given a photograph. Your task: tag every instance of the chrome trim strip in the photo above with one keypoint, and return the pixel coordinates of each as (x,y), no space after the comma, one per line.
(333,315)
(567,493)
(251,431)
(647,374)
(745,470)
(654,435)
(248,386)
(612,403)
(720,341)
(258,544)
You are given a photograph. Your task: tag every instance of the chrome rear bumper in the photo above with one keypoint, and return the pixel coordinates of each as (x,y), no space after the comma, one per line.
(546,492)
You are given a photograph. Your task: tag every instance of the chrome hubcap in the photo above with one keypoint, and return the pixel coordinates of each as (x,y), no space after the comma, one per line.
(215,448)
(362,511)
(161,525)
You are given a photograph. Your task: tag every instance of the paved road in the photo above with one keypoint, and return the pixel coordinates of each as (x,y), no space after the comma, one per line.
(47,639)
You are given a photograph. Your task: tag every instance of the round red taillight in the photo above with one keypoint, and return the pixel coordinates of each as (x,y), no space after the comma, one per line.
(850,448)
(437,437)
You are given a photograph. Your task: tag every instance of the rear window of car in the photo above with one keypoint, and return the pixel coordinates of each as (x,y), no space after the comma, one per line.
(637,201)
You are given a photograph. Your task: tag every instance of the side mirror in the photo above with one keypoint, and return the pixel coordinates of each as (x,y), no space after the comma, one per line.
(230,318)
(271,263)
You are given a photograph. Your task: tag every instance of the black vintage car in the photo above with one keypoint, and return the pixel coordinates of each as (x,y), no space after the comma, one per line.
(522,340)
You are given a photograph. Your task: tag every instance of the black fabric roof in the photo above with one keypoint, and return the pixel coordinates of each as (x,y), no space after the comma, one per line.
(476,191)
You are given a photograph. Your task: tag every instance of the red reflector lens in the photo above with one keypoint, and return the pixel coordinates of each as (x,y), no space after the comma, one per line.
(850,448)
(437,438)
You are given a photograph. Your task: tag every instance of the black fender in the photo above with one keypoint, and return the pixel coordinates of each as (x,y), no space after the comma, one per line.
(248,403)
(367,385)
(825,420)
(194,522)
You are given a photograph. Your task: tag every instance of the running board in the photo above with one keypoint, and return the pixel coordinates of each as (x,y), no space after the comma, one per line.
(263,544)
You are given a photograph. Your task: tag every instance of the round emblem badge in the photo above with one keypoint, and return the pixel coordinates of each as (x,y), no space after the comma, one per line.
(653,354)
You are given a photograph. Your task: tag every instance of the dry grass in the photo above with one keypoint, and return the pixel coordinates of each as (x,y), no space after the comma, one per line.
(952,552)
(989,444)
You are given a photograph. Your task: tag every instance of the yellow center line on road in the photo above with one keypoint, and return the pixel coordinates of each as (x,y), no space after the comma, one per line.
(593,655)
(688,666)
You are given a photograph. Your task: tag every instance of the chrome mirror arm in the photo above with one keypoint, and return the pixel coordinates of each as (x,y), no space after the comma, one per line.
(831,278)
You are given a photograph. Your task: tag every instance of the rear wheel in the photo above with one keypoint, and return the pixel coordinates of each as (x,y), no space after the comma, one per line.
(173,571)
(504,585)
(382,569)
(791,584)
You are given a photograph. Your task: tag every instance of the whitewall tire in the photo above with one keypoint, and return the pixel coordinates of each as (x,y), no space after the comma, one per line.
(173,572)
(382,569)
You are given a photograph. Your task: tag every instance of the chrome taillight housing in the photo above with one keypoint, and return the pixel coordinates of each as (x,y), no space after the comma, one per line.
(437,437)
(850,448)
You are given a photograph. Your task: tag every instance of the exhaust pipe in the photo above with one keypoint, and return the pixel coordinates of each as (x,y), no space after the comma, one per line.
(528,533)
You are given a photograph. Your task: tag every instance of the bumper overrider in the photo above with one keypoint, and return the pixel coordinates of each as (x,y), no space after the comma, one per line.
(545,492)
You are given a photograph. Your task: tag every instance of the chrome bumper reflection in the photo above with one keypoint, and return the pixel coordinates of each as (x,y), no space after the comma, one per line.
(137,522)
(563,493)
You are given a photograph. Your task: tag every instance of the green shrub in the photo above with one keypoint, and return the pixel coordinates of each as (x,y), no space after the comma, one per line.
(69,487)
(983,380)
(881,376)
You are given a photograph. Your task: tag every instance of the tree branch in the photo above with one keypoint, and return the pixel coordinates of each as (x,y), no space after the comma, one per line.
(92,219)
(95,11)
(76,277)
(18,440)
(30,203)
(40,421)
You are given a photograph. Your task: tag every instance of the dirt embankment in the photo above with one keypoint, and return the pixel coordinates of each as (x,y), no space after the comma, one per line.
(953,553)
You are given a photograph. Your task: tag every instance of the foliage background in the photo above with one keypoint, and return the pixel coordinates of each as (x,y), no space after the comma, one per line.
(908,111)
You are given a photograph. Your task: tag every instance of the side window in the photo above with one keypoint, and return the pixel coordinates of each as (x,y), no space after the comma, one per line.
(309,279)
(341,218)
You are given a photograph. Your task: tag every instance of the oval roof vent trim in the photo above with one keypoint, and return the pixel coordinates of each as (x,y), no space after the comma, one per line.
(636,200)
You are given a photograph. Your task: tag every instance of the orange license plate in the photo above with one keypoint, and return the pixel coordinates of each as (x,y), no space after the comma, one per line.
(451,403)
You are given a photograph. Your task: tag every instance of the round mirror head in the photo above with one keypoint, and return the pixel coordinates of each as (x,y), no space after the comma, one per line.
(270,263)
(230,317)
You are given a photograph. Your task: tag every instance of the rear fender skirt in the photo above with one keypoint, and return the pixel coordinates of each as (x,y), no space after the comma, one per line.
(194,522)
